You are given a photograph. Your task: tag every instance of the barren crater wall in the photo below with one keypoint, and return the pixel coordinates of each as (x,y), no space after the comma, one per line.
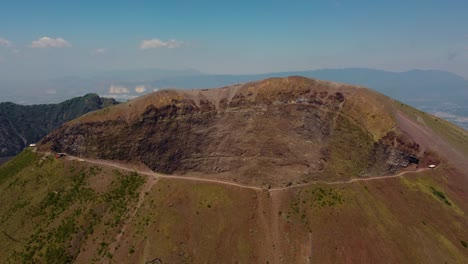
(296,133)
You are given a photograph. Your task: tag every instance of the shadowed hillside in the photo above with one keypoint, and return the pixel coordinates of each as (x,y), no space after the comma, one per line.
(21,125)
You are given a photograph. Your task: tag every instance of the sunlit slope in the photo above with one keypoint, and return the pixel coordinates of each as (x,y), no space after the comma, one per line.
(448,140)
(56,211)
(299,171)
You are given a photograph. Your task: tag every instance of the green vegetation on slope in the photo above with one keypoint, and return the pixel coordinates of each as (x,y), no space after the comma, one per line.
(56,211)
(399,216)
(181,219)
(49,208)
(350,146)
(12,167)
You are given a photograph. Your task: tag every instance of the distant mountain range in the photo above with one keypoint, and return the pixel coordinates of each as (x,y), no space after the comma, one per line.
(438,92)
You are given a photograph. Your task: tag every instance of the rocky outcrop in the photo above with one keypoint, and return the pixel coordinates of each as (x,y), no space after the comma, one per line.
(266,132)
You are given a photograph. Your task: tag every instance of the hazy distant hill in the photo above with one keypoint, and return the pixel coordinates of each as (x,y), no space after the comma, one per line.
(437,92)
(59,89)
(411,85)
(21,125)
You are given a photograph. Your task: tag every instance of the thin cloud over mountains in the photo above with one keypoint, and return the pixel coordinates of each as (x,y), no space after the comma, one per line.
(98,51)
(46,42)
(117,89)
(5,43)
(157,43)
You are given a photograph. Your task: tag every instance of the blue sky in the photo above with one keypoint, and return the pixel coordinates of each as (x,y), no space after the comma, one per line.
(48,39)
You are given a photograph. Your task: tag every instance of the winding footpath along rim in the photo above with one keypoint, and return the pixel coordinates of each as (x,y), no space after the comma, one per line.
(156,175)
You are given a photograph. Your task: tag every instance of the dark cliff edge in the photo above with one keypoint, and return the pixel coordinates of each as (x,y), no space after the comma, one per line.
(264,132)
(21,125)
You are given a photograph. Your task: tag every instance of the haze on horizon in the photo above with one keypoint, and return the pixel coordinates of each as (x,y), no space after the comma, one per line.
(51,39)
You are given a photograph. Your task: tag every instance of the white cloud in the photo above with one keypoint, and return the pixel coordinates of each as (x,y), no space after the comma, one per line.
(116,89)
(140,89)
(98,51)
(157,43)
(46,42)
(5,43)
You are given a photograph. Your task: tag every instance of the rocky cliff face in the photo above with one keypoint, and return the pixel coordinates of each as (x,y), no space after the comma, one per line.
(21,125)
(267,132)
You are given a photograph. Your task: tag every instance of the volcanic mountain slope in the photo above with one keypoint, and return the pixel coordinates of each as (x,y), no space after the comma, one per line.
(21,125)
(368,202)
(271,132)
